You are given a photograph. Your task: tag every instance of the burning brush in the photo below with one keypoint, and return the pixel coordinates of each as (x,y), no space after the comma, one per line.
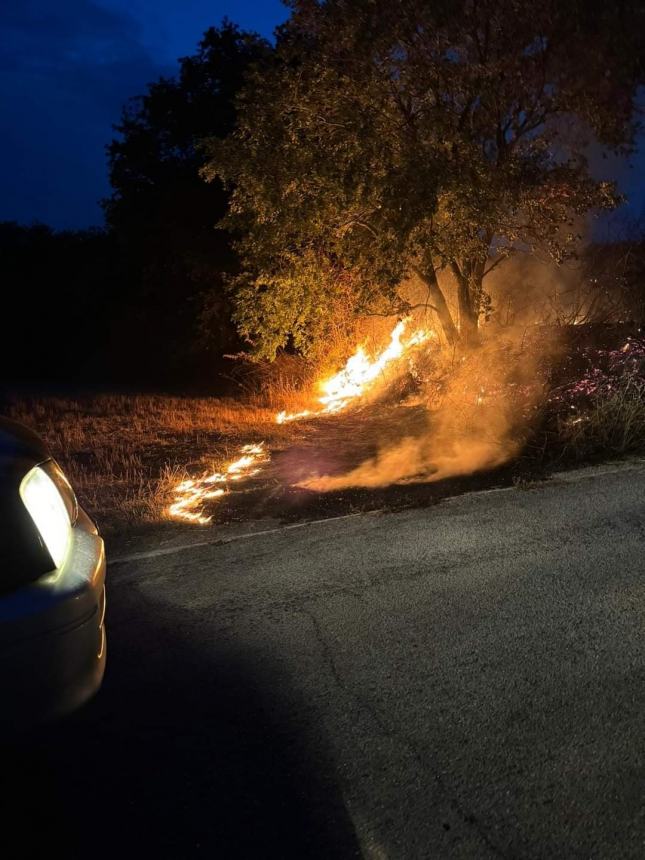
(355,380)
(359,374)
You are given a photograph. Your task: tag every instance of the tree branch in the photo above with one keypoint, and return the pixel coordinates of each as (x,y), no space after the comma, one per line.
(494,265)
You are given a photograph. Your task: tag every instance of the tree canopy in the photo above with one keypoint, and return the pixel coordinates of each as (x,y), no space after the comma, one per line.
(389,140)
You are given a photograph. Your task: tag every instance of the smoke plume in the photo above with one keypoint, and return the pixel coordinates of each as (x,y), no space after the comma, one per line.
(486,404)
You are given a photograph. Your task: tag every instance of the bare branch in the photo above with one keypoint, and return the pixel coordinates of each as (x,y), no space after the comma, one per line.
(494,265)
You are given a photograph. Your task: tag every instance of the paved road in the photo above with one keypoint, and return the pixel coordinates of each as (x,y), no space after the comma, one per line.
(465,681)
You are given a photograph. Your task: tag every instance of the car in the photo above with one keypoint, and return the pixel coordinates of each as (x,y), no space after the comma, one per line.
(52,587)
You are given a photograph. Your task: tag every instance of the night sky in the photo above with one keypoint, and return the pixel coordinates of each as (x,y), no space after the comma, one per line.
(68,66)
(66,69)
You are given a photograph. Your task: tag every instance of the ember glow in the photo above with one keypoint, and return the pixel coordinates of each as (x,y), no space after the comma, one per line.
(359,374)
(190,495)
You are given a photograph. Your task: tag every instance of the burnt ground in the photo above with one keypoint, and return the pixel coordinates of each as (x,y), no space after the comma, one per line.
(333,446)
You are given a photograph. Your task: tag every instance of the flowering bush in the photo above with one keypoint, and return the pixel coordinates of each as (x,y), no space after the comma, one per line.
(603,372)
(602,411)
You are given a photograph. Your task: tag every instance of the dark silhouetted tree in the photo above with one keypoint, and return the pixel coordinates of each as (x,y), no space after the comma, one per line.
(163,215)
(56,288)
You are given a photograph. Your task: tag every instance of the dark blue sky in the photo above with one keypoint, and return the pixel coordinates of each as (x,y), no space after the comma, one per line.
(68,66)
(66,69)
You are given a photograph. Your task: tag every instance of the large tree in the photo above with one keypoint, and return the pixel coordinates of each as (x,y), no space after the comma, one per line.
(397,139)
(162,214)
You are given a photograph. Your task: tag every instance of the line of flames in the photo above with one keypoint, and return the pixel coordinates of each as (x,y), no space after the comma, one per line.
(338,392)
(358,375)
(191,494)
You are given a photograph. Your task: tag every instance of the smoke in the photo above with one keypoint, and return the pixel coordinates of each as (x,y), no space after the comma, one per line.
(527,291)
(486,406)
(481,406)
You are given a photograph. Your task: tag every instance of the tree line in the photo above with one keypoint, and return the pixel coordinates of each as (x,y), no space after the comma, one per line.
(267,188)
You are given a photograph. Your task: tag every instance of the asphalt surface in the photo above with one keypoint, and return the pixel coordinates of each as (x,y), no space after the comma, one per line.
(462,681)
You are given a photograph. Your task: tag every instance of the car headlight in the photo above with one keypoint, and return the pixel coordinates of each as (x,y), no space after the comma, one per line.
(51,504)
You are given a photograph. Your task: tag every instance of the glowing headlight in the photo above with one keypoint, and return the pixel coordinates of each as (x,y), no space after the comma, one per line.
(49,511)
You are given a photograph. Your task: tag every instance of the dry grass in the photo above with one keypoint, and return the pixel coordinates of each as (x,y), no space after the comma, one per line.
(612,425)
(125,453)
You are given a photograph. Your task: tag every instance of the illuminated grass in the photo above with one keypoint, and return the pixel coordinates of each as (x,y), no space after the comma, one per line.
(125,454)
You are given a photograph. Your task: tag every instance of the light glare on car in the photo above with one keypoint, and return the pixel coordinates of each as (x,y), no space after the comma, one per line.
(47,509)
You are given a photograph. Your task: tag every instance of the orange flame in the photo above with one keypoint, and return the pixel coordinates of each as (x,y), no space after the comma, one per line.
(359,373)
(190,495)
(338,392)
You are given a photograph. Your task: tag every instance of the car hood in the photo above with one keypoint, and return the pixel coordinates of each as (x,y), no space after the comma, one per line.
(18,442)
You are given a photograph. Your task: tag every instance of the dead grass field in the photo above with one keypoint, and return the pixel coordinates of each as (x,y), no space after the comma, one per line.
(125,453)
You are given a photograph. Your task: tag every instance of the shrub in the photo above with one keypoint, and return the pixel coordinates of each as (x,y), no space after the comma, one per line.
(612,423)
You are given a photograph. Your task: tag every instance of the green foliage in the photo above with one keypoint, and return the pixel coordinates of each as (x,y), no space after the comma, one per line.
(389,139)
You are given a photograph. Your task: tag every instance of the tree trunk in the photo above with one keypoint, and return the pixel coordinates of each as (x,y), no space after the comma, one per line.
(468,290)
(429,278)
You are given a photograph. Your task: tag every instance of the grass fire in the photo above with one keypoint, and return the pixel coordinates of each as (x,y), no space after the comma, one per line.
(405,286)
(473,411)
(357,379)
(359,375)
(411,432)
(319,319)
(191,494)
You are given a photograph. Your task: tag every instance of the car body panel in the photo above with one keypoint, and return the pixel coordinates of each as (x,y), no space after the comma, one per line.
(52,634)
(58,599)
(23,555)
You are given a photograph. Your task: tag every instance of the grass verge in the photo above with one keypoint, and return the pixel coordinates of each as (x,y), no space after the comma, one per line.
(611,425)
(124,454)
